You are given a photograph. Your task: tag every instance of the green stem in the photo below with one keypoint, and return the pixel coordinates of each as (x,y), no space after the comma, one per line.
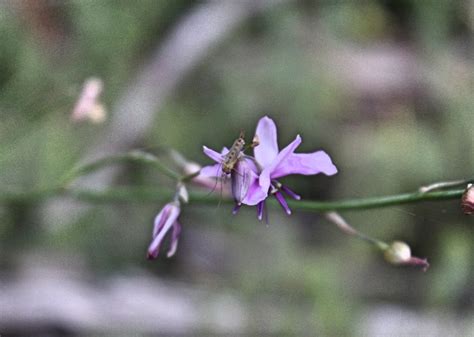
(377,202)
(145,194)
(134,156)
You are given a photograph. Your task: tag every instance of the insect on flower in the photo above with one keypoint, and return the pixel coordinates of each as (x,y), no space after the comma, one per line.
(256,176)
(233,163)
(234,154)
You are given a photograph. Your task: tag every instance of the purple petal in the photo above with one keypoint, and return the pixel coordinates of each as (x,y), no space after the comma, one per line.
(242,177)
(169,210)
(255,193)
(211,171)
(154,248)
(305,163)
(251,163)
(169,220)
(283,203)
(267,150)
(160,220)
(216,156)
(268,172)
(174,239)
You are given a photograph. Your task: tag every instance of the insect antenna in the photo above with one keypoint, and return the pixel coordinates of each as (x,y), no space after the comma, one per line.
(218,176)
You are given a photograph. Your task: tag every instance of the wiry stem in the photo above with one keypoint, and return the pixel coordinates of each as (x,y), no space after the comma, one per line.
(344,226)
(147,194)
(443,184)
(377,202)
(133,156)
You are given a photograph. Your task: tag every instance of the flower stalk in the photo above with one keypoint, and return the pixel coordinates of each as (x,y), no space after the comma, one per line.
(253,180)
(396,253)
(143,194)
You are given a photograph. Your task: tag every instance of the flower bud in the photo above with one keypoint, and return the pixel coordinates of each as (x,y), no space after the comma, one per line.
(399,253)
(183,193)
(467,201)
(88,106)
(167,219)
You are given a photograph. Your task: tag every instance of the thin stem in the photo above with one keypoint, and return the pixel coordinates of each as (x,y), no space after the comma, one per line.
(344,226)
(376,202)
(443,184)
(134,156)
(146,194)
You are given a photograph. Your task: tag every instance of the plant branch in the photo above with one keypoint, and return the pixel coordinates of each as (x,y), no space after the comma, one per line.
(133,156)
(147,194)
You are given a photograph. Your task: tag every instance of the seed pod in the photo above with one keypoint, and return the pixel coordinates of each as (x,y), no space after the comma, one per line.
(399,253)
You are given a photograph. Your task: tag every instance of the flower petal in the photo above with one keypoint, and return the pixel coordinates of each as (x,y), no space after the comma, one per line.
(216,156)
(267,150)
(224,150)
(174,239)
(268,171)
(255,193)
(160,219)
(305,163)
(211,171)
(173,214)
(242,177)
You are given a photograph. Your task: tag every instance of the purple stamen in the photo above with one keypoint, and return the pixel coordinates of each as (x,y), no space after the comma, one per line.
(282,202)
(290,192)
(260,207)
(236,209)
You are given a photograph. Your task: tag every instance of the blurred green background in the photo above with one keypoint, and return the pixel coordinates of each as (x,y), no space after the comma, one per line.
(385,87)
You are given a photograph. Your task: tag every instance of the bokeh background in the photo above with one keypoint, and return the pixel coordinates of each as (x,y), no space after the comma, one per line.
(385,87)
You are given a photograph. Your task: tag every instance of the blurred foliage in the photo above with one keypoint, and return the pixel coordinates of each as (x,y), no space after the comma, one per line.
(281,64)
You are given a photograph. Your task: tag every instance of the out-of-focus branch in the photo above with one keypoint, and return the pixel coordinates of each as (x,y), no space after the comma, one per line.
(146,194)
(194,37)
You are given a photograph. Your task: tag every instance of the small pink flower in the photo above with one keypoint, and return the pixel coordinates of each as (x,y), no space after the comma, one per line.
(164,221)
(88,106)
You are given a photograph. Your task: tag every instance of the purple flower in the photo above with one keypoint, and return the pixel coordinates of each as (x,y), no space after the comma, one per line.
(164,221)
(245,185)
(275,164)
(256,177)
